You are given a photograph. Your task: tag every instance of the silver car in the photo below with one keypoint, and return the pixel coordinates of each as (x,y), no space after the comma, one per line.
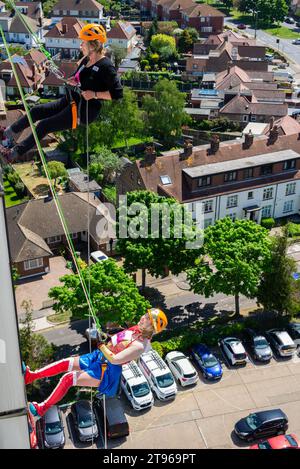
(52,428)
(84,420)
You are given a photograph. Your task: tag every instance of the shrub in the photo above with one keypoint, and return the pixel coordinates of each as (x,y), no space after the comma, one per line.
(267,223)
(13,178)
(293,229)
(20,189)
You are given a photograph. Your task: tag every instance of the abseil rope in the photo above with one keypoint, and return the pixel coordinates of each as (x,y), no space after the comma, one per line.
(54,194)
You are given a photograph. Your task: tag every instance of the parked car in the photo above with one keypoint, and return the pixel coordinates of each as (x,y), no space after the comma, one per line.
(233,350)
(279,442)
(262,424)
(269,57)
(181,368)
(258,345)
(84,420)
(32,431)
(135,387)
(207,362)
(293,330)
(116,421)
(282,65)
(242,26)
(281,342)
(158,375)
(296,41)
(289,20)
(98,256)
(52,429)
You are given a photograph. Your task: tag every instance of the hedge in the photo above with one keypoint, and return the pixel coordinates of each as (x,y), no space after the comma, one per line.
(267,223)
(294,229)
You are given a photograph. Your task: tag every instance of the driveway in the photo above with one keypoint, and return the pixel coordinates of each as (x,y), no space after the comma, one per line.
(36,288)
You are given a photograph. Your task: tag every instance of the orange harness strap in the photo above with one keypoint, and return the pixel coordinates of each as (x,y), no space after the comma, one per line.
(74,115)
(103,369)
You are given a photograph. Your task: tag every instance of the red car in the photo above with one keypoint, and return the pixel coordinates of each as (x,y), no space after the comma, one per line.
(32,431)
(279,442)
(242,26)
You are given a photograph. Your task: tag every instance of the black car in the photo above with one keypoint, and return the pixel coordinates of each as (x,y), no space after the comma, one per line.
(84,420)
(116,420)
(262,424)
(258,345)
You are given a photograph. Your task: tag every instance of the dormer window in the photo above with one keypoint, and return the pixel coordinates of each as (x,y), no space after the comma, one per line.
(290,164)
(204,181)
(231,176)
(165,180)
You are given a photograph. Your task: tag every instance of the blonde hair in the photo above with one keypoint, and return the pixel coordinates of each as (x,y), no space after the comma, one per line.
(147,332)
(95,46)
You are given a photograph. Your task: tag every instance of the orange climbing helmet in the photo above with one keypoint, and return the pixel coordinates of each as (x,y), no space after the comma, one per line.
(158,319)
(92,32)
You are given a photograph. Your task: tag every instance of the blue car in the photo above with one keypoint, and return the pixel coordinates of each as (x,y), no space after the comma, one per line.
(207,362)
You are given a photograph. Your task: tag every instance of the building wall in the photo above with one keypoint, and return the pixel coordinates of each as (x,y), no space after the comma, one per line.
(240,117)
(27,273)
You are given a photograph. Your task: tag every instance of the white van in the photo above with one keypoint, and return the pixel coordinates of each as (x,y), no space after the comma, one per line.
(136,387)
(158,374)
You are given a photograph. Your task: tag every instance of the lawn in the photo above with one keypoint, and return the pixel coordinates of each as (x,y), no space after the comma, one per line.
(130,141)
(110,192)
(36,184)
(11,198)
(283,32)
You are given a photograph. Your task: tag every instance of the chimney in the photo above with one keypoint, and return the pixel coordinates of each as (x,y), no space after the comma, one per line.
(273,134)
(64,28)
(40,22)
(150,155)
(249,137)
(187,150)
(272,120)
(214,143)
(226,38)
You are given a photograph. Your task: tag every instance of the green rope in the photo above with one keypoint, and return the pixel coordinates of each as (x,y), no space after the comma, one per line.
(54,194)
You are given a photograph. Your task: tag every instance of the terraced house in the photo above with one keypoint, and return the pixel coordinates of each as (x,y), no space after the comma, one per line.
(251,178)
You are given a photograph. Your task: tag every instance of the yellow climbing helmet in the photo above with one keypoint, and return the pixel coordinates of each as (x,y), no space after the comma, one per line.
(158,319)
(92,32)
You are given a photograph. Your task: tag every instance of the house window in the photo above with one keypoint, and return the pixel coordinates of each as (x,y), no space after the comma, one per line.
(208,222)
(268,193)
(250,195)
(290,164)
(165,180)
(204,181)
(207,206)
(202,19)
(266,169)
(253,118)
(232,201)
(232,216)
(266,211)
(288,206)
(206,29)
(290,188)
(74,235)
(245,118)
(53,239)
(231,176)
(33,264)
(248,173)
(195,66)
(131,175)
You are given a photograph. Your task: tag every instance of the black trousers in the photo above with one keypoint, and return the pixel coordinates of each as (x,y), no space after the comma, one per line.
(52,116)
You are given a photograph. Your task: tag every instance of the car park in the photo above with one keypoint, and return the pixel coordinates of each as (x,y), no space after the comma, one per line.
(181,368)
(234,350)
(281,342)
(52,429)
(84,420)
(293,330)
(258,345)
(135,387)
(209,365)
(262,424)
(98,256)
(158,375)
(116,420)
(279,442)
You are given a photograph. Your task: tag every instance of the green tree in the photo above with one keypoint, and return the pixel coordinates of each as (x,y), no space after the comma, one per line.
(56,169)
(96,172)
(159,41)
(193,33)
(264,11)
(185,42)
(35,350)
(152,31)
(114,294)
(166,27)
(238,251)
(276,288)
(109,161)
(164,113)
(159,249)
(119,53)
(15,276)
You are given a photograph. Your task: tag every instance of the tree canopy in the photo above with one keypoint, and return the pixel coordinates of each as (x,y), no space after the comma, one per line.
(106,162)
(238,252)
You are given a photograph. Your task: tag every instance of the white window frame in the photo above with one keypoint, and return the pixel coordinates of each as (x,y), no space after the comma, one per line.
(207,206)
(232,216)
(207,222)
(290,189)
(33,263)
(252,197)
(245,118)
(268,209)
(54,239)
(268,193)
(232,201)
(253,118)
(288,206)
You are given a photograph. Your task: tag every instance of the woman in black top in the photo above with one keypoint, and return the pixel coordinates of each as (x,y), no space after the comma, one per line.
(97,79)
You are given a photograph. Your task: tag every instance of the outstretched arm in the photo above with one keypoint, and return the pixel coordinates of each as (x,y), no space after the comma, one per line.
(130,353)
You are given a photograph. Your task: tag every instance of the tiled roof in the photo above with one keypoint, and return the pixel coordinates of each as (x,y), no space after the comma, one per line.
(286,126)
(122,30)
(78,5)
(202,10)
(33,9)
(233,77)
(241,105)
(17,25)
(74,26)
